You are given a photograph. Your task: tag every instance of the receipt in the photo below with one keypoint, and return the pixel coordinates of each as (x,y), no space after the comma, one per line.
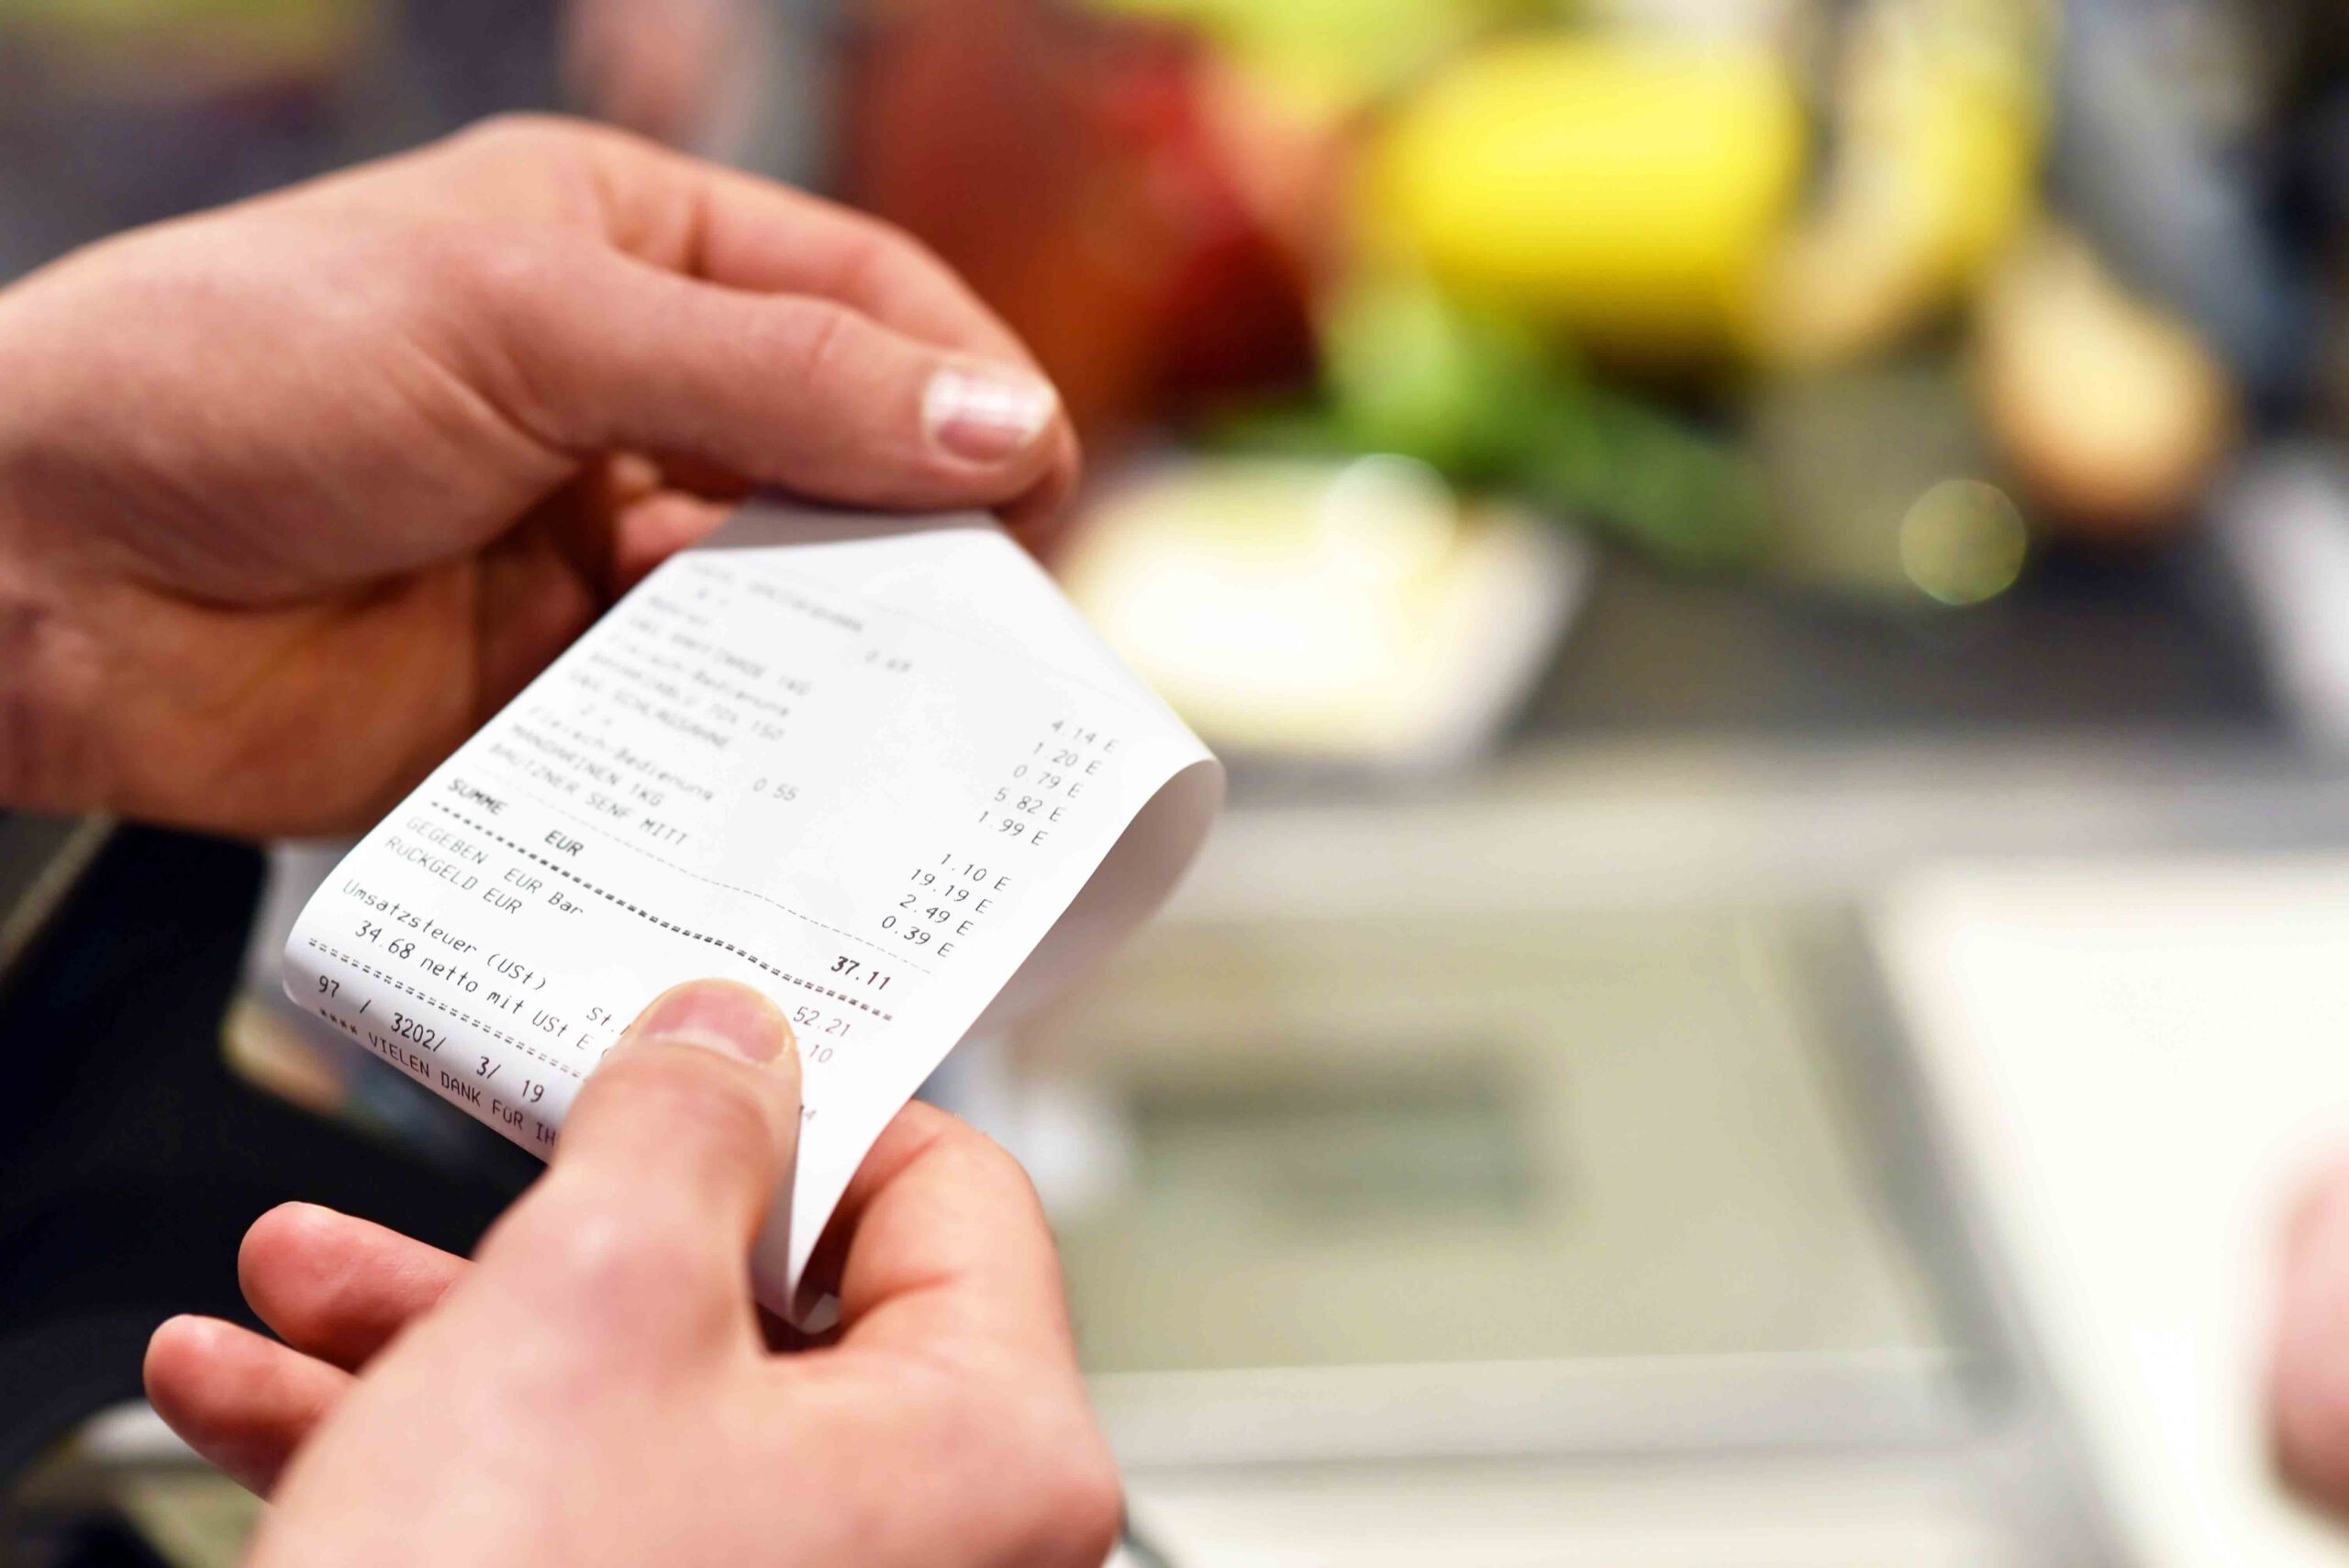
(876,766)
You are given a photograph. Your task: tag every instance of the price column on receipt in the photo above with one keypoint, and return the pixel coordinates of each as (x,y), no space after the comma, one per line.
(876,767)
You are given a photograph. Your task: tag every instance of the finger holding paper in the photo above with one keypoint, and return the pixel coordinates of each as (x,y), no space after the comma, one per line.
(590,1392)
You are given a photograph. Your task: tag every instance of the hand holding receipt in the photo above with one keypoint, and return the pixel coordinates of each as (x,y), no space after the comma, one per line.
(875,767)
(297,496)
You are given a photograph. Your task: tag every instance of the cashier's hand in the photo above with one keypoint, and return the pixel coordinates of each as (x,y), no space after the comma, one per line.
(295,493)
(594,1389)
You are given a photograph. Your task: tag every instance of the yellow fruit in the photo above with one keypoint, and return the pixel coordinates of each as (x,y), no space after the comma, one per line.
(1939,126)
(1622,187)
(2114,412)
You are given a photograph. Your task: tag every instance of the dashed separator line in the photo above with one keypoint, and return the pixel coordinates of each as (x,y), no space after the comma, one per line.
(688,871)
(669,925)
(491,1029)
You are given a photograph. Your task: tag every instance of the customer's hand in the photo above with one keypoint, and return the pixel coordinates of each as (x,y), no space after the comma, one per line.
(295,493)
(595,1389)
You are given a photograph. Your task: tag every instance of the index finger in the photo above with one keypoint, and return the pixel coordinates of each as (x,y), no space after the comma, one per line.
(944,1245)
(743,232)
(705,221)
(739,231)
(720,225)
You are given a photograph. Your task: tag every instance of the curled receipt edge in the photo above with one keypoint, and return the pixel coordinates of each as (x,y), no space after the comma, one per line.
(876,766)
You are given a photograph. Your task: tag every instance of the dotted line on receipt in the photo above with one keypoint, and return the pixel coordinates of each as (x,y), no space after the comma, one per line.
(397,983)
(660,859)
(670,926)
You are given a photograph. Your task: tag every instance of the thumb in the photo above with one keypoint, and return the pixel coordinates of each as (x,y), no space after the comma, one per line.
(669,1158)
(789,390)
(2310,1392)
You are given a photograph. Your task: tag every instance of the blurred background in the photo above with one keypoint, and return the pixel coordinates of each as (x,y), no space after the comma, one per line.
(1774,575)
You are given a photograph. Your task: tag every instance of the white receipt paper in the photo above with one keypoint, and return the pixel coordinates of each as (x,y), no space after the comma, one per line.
(876,766)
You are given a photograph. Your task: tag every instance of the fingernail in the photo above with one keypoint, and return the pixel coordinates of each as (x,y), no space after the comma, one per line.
(985,413)
(716,1015)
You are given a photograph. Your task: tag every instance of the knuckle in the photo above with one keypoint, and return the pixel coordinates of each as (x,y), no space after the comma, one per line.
(597,1244)
(524,132)
(504,269)
(469,284)
(564,141)
(47,754)
(979,1163)
(1056,1497)
(813,338)
(1084,1501)
(1074,1499)
(493,297)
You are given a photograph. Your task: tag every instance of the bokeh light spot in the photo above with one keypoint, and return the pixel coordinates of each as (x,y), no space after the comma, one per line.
(1963,543)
